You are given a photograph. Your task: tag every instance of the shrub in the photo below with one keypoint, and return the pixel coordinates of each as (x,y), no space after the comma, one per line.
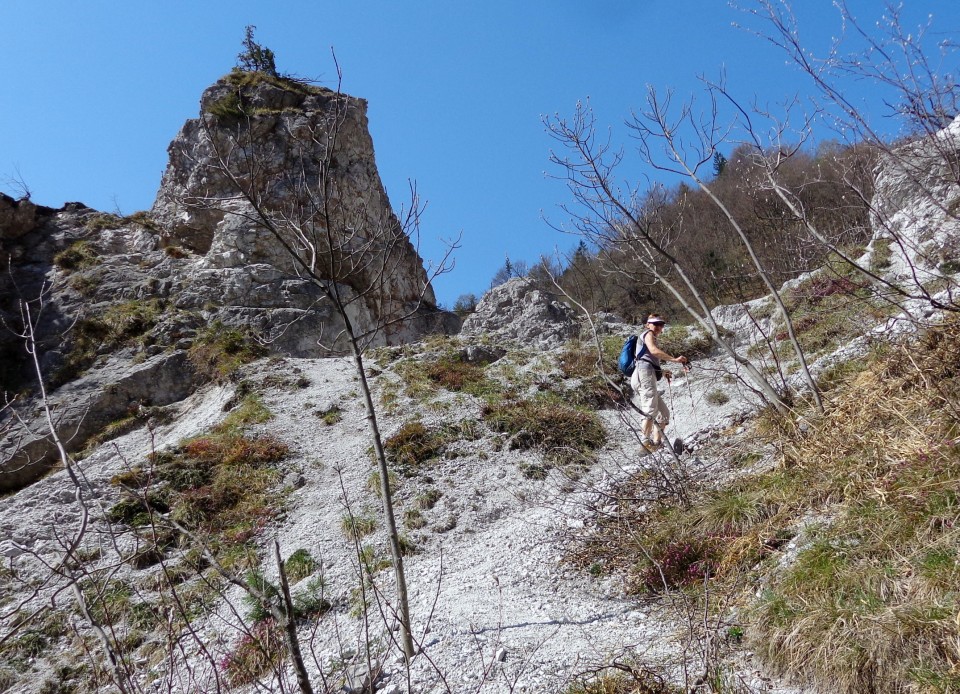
(251,410)
(33,640)
(677,564)
(102,221)
(562,434)
(593,391)
(221,486)
(230,108)
(236,450)
(86,284)
(311,602)
(414,444)
(114,430)
(413,519)
(371,562)
(330,416)
(717,397)
(881,256)
(455,374)
(579,360)
(256,654)
(143,219)
(407,545)
(269,594)
(137,512)
(356,527)
(77,256)
(374,485)
(428,499)
(682,339)
(623,679)
(109,603)
(299,565)
(118,325)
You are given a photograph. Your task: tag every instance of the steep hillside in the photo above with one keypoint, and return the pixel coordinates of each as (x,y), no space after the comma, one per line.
(213,520)
(498,465)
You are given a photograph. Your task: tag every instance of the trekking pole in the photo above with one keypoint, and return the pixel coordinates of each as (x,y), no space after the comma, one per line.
(693,404)
(673,412)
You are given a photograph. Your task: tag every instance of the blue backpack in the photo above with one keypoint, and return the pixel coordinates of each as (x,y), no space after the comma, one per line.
(628,355)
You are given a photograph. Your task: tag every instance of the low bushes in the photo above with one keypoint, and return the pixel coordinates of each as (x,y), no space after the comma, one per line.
(221,486)
(118,325)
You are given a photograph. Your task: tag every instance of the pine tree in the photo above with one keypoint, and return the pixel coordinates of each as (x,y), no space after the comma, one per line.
(256,58)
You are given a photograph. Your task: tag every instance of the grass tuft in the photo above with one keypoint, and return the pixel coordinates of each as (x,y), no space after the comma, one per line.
(356,527)
(562,434)
(218,351)
(77,256)
(299,565)
(415,444)
(118,325)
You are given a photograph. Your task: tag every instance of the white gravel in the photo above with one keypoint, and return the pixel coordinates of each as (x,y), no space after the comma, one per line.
(495,608)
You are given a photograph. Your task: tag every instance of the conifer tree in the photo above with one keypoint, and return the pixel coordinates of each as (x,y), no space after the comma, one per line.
(254,57)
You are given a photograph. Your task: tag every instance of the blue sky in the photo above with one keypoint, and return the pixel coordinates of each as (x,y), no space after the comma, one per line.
(93,92)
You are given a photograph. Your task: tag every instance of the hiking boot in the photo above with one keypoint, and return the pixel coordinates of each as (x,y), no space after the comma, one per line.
(653,445)
(678,446)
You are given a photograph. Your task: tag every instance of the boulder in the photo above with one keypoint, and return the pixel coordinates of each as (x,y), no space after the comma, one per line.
(84,407)
(517,310)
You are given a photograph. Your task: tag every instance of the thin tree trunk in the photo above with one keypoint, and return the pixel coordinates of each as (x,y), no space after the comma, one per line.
(403,603)
(290,626)
(774,292)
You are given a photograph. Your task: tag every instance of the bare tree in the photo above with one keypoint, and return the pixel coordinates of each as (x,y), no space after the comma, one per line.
(67,571)
(655,126)
(622,225)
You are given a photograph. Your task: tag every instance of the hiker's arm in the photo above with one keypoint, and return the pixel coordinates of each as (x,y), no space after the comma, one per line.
(655,350)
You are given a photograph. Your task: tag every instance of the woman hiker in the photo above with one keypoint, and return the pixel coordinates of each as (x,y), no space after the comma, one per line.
(644,383)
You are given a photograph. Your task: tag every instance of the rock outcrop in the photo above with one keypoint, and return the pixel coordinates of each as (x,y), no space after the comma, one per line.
(916,205)
(119,294)
(85,407)
(516,310)
(305,155)
(18,217)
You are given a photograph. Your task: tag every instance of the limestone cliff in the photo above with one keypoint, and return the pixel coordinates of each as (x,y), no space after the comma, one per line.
(305,155)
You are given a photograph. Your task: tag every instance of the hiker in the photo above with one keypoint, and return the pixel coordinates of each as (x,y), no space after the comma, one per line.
(644,383)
